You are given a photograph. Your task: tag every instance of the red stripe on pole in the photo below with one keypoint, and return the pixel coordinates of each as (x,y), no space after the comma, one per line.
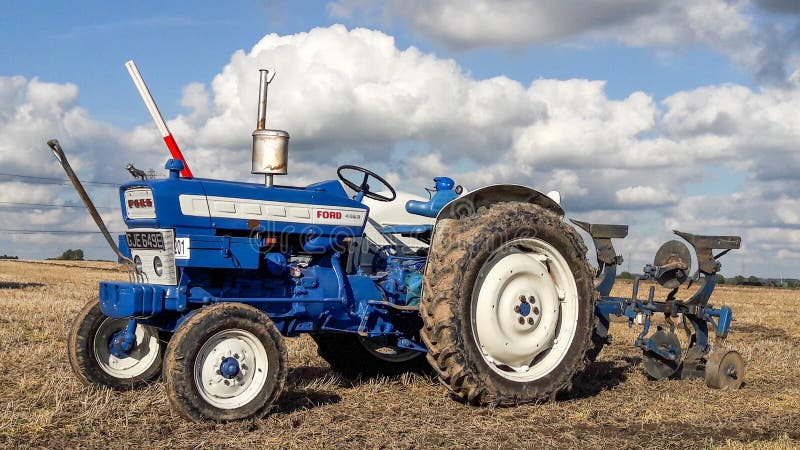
(176,154)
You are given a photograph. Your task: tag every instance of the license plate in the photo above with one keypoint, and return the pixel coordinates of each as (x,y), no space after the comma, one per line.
(145,240)
(182,248)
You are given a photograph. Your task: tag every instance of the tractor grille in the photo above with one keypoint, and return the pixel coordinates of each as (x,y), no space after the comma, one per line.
(153,252)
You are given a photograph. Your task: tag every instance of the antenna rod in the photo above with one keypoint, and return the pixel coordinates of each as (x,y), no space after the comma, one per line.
(157,117)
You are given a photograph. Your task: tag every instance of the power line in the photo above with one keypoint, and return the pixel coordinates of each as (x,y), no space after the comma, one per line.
(20,231)
(60,181)
(50,205)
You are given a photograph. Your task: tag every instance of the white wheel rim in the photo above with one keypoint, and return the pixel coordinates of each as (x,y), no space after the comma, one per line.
(387,353)
(138,361)
(525,343)
(220,389)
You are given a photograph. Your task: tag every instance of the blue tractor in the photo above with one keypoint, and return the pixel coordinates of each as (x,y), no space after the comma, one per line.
(496,295)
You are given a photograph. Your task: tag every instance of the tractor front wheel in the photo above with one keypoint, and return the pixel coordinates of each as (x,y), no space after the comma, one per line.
(508,304)
(95,360)
(225,362)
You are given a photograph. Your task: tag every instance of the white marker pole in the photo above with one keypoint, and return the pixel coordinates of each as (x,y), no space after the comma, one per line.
(138,81)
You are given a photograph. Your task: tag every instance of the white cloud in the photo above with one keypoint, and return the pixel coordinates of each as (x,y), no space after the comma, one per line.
(479,23)
(765,48)
(644,196)
(31,112)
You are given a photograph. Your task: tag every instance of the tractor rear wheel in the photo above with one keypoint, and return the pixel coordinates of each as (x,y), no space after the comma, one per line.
(353,356)
(507,304)
(95,361)
(225,362)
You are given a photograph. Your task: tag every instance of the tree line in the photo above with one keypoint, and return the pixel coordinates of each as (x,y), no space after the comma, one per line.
(741,280)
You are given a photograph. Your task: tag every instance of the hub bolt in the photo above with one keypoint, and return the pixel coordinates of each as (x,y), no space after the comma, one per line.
(531,299)
(521,321)
(522,298)
(516,308)
(530,320)
(536,310)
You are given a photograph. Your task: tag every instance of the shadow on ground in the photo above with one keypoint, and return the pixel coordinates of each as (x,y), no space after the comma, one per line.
(598,377)
(297,396)
(16,285)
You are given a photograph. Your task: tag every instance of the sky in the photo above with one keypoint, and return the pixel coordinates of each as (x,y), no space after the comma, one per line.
(663,115)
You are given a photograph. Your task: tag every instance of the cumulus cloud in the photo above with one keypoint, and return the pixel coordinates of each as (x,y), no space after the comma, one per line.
(479,23)
(31,112)
(353,96)
(644,196)
(766,48)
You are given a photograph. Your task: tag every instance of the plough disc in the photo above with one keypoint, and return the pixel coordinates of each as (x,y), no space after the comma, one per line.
(725,369)
(656,366)
(673,254)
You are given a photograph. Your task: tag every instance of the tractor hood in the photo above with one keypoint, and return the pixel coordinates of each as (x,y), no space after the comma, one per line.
(215,207)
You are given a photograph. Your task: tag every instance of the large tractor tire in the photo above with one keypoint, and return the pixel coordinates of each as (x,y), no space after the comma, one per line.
(95,362)
(507,304)
(225,362)
(353,356)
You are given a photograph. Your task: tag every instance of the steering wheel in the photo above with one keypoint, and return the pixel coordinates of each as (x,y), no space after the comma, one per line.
(364,187)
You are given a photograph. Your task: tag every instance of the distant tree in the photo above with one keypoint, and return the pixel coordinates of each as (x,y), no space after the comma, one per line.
(71,255)
(720,279)
(626,276)
(753,279)
(9,257)
(738,279)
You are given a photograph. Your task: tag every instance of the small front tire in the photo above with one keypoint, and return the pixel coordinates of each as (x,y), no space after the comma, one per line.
(91,358)
(225,362)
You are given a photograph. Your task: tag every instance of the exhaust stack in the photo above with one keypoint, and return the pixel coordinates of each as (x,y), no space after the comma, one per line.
(270,147)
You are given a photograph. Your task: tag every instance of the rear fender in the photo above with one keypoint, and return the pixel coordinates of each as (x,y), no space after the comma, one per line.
(489,195)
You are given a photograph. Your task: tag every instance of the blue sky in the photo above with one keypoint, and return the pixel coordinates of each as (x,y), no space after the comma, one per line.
(686,127)
(174,43)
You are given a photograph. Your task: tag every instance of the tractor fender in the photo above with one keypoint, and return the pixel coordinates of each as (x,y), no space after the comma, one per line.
(495,193)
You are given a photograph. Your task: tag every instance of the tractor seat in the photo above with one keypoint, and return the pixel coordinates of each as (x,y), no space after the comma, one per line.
(444,194)
(711,242)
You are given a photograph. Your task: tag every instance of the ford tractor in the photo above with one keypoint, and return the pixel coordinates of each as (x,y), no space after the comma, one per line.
(490,288)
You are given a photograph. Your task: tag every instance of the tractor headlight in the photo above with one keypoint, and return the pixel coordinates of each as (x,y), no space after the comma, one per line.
(137,262)
(158,266)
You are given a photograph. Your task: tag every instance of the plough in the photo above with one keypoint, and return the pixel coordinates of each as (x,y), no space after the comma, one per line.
(663,354)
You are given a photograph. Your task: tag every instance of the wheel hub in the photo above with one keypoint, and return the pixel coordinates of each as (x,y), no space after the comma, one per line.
(116,345)
(113,357)
(528,312)
(229,368)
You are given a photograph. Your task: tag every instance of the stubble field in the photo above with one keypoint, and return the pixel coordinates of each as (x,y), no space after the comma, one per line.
(613,405)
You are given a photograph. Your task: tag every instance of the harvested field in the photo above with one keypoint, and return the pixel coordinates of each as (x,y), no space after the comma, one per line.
(613,404)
